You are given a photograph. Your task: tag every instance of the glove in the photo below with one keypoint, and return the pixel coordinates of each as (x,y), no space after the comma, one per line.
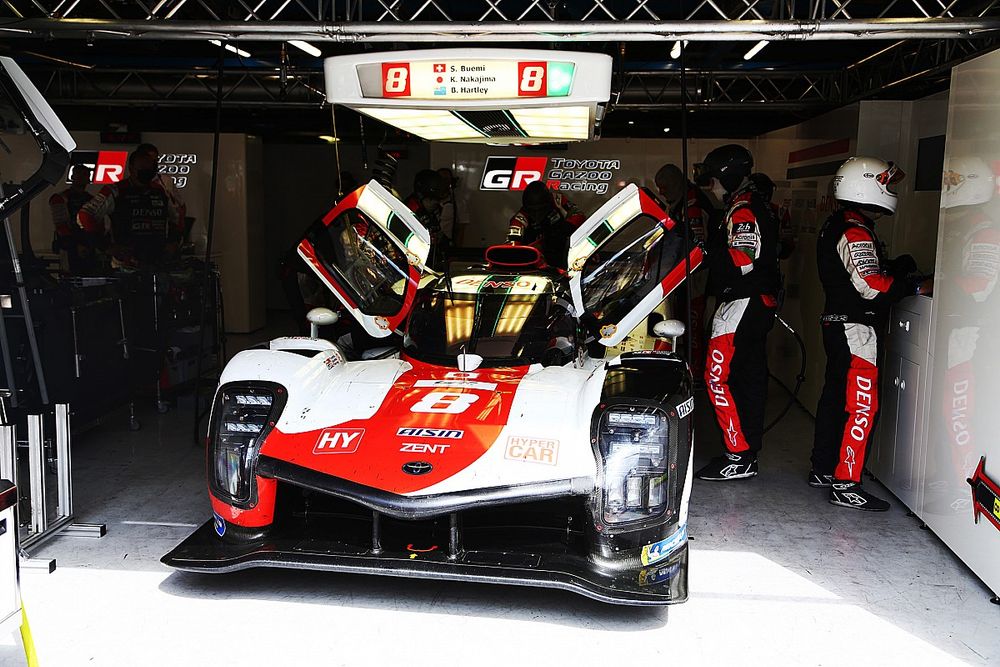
(902,265)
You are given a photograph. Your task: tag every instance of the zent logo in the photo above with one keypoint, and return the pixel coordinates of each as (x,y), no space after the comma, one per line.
(512,173)
(339,441)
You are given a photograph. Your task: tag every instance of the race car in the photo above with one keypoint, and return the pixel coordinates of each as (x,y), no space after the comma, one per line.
(489,440)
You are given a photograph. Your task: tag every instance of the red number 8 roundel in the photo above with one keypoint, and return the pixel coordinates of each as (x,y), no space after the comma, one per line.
(395,79)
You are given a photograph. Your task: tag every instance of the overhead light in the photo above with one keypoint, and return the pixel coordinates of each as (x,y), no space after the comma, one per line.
(675,52)
(666,129)
(328,139)
(756,49)
(229,47)
(631,122)
(430,124)
(306,46)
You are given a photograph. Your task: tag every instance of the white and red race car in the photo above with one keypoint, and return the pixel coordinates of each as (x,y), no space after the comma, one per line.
(491,443)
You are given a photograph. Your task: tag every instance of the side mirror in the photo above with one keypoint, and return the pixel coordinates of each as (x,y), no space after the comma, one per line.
(469,362)
(669,330)
(320,317)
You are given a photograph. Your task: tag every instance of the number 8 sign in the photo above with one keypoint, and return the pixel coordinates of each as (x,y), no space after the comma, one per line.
(531,79)
(395,79)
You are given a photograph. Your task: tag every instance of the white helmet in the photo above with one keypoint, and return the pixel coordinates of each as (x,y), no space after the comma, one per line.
(967,181)
(868,181)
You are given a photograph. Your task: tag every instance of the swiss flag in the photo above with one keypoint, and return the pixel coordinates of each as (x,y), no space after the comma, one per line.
(439,68)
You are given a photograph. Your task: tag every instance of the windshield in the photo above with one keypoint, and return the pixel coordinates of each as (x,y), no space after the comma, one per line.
(506,319)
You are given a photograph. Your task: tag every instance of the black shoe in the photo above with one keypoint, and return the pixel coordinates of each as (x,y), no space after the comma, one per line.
(850,494)
(729,466)
(819,481)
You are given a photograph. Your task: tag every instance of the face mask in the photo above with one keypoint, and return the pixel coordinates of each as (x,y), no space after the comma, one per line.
(145,175)
(718,190)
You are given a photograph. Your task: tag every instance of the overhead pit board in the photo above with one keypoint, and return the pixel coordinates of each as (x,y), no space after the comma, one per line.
(495,96)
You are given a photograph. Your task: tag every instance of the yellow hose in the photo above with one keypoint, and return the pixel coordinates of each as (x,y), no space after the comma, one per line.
(29,643)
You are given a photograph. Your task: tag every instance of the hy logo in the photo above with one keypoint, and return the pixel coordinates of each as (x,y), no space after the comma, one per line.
(338,441)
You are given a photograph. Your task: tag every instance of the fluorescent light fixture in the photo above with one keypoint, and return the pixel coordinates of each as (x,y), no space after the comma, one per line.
(675,52)
(229,47)
(666,129)
(554,122)
(328,138)
(430,124)
(306,46)
(755,49)
(631,122)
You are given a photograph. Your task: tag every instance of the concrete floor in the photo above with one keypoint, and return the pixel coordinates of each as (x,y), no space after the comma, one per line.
(778,576)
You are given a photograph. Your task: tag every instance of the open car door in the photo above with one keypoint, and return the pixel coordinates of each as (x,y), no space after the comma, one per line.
(34,144)
(624,260)
(370,250)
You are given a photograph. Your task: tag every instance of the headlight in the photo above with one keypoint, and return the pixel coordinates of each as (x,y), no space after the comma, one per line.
(241,419)
(634,444)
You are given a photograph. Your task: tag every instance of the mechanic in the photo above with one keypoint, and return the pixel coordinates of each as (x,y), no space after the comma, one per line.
(166,183)
(860,286)
(786,234)
(144,223)
(429,194)
(75,256)
(747,299)
(679,192)
(546,220)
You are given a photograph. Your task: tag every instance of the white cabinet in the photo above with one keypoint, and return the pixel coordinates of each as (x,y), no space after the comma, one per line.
(899,449)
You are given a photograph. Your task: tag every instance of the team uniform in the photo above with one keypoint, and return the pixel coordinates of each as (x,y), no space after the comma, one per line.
(143,219)
(748,282)
(65,206)
(550,234)
(859,291)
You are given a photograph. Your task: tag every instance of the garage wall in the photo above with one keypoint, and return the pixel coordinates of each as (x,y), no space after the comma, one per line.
(237,226)
(301,185)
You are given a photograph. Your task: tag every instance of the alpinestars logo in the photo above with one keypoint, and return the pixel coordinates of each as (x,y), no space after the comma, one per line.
(854,498)
(512,173)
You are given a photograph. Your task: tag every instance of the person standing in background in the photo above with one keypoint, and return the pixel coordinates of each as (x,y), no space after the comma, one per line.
(748,284)
(75,256)
(684,197)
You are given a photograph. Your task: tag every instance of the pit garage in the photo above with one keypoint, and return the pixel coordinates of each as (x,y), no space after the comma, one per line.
(413,332)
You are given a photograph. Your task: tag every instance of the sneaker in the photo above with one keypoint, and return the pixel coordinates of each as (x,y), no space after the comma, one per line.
(730,466)
(850,494)
(819,481)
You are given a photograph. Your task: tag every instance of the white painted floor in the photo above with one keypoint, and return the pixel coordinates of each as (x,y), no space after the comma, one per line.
(778,577)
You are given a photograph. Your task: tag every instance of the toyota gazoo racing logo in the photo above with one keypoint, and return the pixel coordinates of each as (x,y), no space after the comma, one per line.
(512,173)
(105,166)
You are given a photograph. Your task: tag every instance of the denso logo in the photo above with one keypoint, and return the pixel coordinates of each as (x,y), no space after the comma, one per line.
(512,173)
(863,408)
(339,441)
(441,433)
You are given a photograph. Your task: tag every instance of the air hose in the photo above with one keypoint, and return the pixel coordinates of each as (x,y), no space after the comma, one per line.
(799,379)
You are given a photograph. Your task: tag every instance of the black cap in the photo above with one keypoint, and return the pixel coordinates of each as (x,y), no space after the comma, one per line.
(730,164)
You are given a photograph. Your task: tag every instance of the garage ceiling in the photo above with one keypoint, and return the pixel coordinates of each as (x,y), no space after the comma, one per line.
(146,62)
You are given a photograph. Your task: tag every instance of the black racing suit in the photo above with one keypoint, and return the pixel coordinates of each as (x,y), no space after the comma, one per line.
(746,276)
(550,234)
(859,292)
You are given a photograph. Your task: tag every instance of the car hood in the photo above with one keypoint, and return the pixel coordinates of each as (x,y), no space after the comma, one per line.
(410,428)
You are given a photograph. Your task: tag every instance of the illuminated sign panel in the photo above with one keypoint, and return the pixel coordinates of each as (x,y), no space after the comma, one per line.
(466,79)
(562,174)
(495,96)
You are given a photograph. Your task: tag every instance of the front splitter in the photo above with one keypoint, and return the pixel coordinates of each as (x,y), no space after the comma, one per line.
(659,584)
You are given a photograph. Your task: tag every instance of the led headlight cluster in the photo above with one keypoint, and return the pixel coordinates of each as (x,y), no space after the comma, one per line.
(242,417)
(634,444)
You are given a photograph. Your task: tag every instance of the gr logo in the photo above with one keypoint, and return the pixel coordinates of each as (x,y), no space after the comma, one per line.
(106,166)
(512,173)
(338,441)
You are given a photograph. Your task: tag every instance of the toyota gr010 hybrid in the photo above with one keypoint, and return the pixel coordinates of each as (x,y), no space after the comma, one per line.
(488,445)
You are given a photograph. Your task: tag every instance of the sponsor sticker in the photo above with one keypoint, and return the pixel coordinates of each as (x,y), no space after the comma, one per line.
(657,551)
(441,433)
(219,524)
(532,450)
(657,575)
(338,441)
(685,408)
(424,448)
(457,384)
